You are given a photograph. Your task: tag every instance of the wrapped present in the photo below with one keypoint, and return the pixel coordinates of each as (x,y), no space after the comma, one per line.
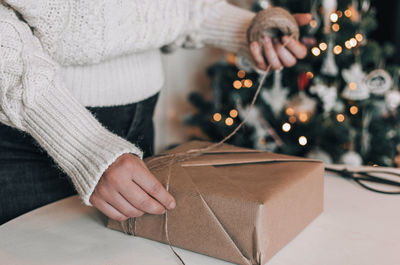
(235,204)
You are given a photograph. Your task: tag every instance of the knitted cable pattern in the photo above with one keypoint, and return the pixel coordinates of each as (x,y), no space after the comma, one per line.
(33,99)
(82,32)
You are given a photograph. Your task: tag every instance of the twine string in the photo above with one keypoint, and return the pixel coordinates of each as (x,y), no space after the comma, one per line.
(163,161)
(183,156)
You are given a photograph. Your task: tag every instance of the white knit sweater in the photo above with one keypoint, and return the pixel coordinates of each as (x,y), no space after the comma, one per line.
(58,56)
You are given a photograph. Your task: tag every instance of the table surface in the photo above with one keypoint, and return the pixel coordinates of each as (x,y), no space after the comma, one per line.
(357,227)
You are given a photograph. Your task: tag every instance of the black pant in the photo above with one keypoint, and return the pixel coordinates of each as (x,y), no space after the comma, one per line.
(29,178)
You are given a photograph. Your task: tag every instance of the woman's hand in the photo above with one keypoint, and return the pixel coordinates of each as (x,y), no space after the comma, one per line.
(128,189)
(274,53)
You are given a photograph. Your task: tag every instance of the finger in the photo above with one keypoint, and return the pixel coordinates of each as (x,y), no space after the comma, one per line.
(150,184)
(303,18)
(270,53)
(285,56)
(139,199)
(116,200)
(255,51)
(295,47)
(107,209)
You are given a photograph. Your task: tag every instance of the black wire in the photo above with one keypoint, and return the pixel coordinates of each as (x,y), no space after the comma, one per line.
(367,177)
(375,190)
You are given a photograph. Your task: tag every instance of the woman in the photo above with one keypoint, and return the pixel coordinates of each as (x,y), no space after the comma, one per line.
(79,82)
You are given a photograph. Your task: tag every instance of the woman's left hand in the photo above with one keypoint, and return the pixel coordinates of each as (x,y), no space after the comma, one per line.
(280,53)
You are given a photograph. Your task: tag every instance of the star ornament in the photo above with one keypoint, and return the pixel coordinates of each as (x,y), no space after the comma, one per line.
(276,96)
(356,88)
(327,94)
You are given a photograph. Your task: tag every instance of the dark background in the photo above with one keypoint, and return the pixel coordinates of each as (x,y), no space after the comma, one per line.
(389,24)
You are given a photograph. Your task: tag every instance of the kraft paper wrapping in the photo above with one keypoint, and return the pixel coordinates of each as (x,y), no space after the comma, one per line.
(235,204)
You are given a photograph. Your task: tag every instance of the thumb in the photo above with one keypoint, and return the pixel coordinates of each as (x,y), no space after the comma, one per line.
(303,19)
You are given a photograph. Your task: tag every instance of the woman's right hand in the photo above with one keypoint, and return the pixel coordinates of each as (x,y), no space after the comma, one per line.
(128,189)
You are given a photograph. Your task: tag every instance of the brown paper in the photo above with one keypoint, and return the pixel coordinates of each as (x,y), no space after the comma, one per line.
(236,204)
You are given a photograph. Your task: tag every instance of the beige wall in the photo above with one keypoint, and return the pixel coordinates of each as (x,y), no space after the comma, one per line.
(185,71)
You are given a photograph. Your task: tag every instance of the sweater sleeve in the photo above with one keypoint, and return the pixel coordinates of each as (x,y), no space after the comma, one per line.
(34,99)
(219,24)
(80,32)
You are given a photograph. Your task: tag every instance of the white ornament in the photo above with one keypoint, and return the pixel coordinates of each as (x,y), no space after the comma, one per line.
(379,81)
(351,158)
(316,18)
(277,95)
(329,66)
(329,7)
(253,119)
(356,88)
(320,154)
(328,95)
(392,99)
(264,4)
(365,6)
(339,107)
(301,103)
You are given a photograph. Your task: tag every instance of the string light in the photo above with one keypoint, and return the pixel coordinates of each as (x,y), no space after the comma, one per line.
(359,37)
(310,75)
(340,118)
(335,27)
(286,127)
(323,46)
(217,117)
(248,83)
(292,119)
(313,23)
(334,17)
(337,49)
(353,85)
(233,113)
(340,13)
(353,42)
(303,140)
(237,84)
(347,13)
(231,58)
(241,74)
(316,51)
(229,121)
(303,117)
(348,45)
(290,111)
(353,110)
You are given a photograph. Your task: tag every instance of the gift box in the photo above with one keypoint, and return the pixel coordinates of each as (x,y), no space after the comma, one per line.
(235,204)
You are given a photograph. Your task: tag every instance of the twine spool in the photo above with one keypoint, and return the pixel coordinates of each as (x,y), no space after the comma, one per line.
(272,22)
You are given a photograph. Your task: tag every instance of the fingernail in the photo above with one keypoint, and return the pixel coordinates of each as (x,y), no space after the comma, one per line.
(172,205)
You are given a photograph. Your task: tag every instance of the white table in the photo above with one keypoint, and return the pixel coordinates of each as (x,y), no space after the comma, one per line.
(358,227)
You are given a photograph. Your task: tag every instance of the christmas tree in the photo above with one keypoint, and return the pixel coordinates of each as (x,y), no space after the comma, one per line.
(340,104)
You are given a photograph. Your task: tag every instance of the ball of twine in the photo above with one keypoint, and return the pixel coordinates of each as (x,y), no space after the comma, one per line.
(272,21)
